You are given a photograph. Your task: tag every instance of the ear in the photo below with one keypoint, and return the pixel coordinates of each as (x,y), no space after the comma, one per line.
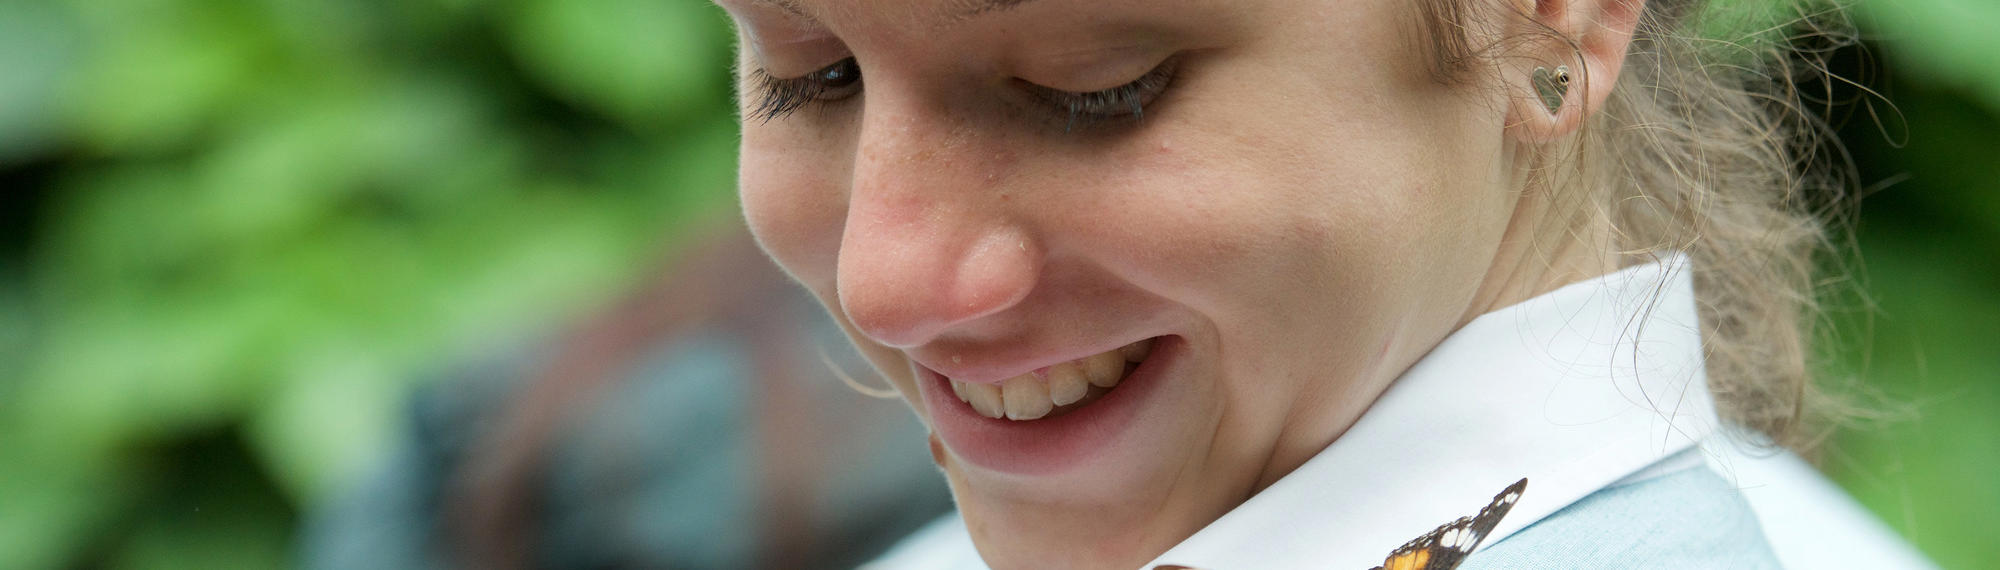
(1591,37)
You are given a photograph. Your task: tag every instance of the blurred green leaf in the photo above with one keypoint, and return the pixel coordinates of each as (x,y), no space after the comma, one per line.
(332,420)
(53,499)
(273,213)
(157,72)
(37,48)
(1947,42)
(1928,475)
(641,62)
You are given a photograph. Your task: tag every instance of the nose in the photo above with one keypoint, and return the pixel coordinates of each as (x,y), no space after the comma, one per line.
(929,245)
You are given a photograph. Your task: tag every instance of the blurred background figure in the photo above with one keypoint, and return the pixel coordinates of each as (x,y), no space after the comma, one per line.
(690,426)
(441,283)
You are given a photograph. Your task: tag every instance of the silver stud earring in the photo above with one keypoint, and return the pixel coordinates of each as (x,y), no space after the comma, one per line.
(1552,86)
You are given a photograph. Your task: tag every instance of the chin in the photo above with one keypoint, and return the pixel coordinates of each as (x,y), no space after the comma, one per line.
(1011,534)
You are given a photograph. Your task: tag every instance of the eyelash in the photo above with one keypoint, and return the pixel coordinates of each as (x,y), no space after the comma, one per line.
(780,97)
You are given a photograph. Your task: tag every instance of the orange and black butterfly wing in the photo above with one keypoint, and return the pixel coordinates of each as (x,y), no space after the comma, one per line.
(1444,548)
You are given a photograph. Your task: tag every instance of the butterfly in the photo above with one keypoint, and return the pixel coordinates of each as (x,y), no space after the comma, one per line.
(1447,546)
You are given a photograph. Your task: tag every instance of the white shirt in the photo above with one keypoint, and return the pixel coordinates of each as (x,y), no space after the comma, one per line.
(1593,384)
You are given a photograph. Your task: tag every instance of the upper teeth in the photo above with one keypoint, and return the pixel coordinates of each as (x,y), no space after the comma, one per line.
(1033,395)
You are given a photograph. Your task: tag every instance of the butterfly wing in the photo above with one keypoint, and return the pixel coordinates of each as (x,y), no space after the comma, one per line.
(1447,546)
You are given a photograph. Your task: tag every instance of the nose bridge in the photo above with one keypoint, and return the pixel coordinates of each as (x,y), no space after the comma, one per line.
(928,244)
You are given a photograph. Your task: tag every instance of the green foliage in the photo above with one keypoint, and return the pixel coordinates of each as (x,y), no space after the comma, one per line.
(642,61)
(1928,474)
(1923,346)
(1945,42)
(265,217)
(1925,350)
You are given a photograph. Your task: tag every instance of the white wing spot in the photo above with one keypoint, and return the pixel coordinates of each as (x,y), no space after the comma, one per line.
(1450,537)
(1511,496)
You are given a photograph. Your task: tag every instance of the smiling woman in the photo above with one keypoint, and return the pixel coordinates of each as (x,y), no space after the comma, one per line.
(1267,284)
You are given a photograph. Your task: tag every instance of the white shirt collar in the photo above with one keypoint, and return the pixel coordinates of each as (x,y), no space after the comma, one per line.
(1574,390)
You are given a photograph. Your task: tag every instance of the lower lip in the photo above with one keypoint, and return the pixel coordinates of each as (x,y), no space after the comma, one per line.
(1051,445)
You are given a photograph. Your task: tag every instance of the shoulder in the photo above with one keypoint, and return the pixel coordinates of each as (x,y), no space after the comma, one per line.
(1691,518)
(1810,521)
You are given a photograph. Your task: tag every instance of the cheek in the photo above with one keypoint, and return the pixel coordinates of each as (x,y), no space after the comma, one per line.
(1246,215)
(1309,247)
(794,197)
(794,201)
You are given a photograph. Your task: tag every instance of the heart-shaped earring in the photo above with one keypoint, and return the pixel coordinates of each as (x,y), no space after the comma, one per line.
(1552,86)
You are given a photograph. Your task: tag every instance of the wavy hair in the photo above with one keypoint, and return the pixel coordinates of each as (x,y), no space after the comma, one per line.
(1710,144)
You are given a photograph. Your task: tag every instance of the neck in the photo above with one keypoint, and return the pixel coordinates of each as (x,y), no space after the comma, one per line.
(1556,236)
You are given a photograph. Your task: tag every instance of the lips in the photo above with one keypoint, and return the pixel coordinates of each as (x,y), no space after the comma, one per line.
(1016,426)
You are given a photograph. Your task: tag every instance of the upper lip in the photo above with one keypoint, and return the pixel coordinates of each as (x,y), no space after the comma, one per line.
(994,364)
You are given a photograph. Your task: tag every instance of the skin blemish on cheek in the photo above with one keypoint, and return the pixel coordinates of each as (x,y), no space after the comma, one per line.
(1000,167)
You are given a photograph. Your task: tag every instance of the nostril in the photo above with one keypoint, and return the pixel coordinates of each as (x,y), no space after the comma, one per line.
(887,317)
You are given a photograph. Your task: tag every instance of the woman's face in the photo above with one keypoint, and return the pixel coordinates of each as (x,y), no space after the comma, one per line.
(1276,198)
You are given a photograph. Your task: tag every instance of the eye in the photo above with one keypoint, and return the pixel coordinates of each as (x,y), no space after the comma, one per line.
(1121,102)
(780,97)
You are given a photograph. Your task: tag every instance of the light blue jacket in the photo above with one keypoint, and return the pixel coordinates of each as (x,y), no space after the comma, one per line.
(1687,519)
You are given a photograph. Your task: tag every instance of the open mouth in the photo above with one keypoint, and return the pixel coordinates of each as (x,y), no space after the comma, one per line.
(1054,390)
(1066,416)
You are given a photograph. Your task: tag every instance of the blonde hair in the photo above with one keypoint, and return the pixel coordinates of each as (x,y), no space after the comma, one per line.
(1707,146)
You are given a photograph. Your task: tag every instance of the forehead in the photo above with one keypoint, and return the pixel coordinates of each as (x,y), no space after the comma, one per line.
(913,19)
(961,23)
(953,10)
